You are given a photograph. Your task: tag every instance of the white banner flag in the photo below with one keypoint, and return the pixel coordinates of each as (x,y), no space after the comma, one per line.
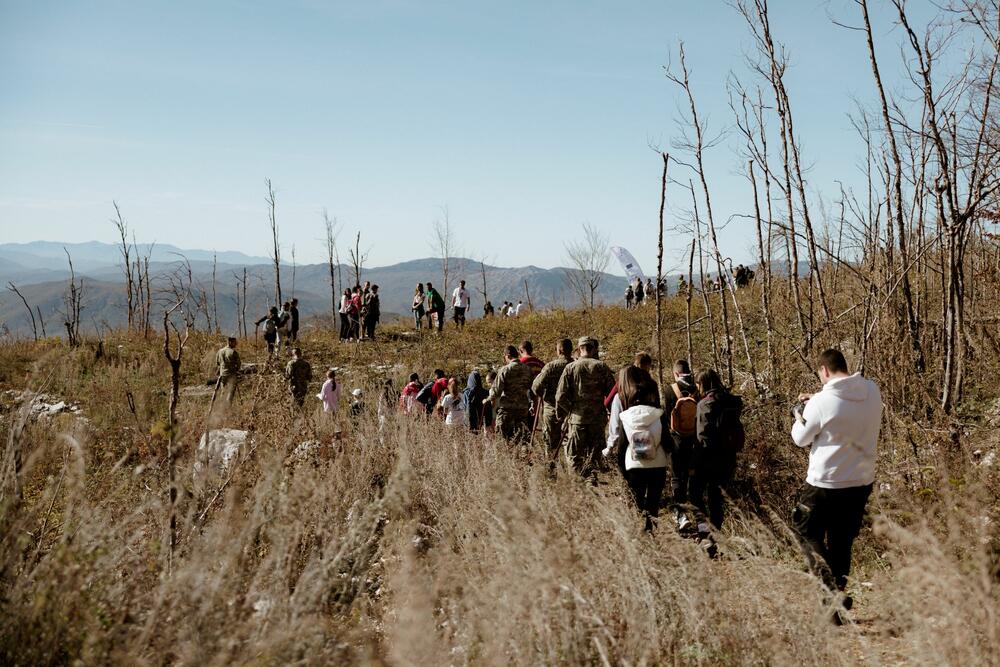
(629,265)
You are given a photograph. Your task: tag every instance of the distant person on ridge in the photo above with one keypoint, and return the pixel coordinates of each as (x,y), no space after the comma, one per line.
(270,329)
(459,304)
(354,314)
(435,307)
(543,388)
(517,310)
(640,292)
(228,360)
(509,394)
(373,312)
(629,295)
(345,315)
(488,310)
(840,424)
(298,372)
(417,306)
(580,403)
(284,318)
(650,290)
(293,324)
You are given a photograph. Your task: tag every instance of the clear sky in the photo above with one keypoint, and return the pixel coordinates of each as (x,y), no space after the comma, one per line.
(525,119)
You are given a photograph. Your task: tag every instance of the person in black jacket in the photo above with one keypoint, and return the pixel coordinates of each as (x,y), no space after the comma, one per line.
(293,325)
(373,312)
(714,459)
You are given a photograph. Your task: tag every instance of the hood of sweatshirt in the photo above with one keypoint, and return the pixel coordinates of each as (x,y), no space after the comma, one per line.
(640,417)
(855,388)
(686,383)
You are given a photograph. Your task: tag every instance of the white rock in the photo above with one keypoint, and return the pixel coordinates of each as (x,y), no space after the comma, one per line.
(222,447)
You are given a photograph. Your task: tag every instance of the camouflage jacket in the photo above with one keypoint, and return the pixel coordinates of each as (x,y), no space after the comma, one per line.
(581,391)
(547,381)
(511,387)
(299,373)
(228,360)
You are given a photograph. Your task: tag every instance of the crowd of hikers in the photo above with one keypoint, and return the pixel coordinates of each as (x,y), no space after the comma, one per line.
(587,418)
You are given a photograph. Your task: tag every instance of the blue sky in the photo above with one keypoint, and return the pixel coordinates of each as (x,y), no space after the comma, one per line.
(525,119)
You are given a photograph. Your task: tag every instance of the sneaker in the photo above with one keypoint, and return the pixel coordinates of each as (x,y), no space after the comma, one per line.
(684,524)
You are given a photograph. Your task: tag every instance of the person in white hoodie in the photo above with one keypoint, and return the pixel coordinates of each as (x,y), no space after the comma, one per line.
(840,425)
(637,424)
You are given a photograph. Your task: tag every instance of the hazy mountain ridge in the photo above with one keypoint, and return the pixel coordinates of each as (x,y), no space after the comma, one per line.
(40,271)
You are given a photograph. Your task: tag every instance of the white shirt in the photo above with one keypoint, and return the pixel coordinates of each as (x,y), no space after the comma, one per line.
(517,311)
(330,395)
(510,311)
(840,427)
(460,298)
(454,413)
(343,304)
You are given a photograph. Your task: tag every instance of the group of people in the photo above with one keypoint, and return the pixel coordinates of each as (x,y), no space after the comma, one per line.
(281,327)
(636,293)
(584,413)
(360,311)
(691,432)
(428,302)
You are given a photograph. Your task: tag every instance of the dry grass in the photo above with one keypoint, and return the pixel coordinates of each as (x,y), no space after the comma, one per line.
(407,543)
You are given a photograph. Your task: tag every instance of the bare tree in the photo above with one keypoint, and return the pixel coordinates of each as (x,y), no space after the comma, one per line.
(333,260)
(276,247)
(293,271)
(174,358)
(358,258)
(697,146)
(34,326)
(444,245)
(588,258)
(73,302)
(659,271)
(215,298)
(125,249)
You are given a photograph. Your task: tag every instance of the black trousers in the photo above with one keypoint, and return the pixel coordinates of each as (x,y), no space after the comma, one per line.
(828,521)
(370,323)
(345,326)
(680,468)
(647,488)
(711,472)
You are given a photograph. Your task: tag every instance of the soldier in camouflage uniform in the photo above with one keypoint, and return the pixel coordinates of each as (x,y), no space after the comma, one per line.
(544,389)
(509,394)
(229,363)
(299,373)
(580,402)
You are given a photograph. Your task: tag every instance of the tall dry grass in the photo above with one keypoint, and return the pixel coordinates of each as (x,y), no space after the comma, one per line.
(409,543)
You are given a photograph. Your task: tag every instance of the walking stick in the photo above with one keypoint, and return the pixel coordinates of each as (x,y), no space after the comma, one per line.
(534,424)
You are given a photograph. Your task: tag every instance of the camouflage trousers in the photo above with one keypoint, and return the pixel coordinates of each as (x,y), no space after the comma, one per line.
(582,446)
(551,428)
(513,426)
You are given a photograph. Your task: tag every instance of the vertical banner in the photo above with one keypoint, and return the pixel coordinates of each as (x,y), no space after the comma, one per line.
(629,265)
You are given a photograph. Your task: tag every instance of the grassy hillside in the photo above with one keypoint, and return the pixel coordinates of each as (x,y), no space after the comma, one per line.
(404,542)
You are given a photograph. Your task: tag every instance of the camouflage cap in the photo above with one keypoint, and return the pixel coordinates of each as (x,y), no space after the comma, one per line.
(586,341)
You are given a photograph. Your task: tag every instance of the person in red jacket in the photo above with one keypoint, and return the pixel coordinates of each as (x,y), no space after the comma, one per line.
(526,358)
(409,395)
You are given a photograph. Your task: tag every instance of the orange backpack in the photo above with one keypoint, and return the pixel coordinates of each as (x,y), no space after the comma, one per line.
(684,416)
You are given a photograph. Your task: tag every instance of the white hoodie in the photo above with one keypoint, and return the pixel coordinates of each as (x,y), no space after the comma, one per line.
(643,417)
(841,425)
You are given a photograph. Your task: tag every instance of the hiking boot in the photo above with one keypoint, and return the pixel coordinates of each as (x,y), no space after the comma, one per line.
(684,524)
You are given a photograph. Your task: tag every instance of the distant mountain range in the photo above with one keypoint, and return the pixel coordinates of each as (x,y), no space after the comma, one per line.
(40,271)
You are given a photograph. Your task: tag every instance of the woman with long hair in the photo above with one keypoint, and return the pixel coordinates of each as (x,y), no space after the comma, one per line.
(637,430)
(417,306)
(345,310)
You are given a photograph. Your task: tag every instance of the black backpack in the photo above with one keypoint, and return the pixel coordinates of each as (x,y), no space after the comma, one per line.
(426,396)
